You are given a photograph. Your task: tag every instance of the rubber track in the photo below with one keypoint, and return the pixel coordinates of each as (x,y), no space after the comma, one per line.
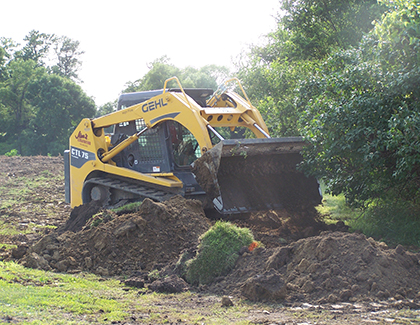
(139,190)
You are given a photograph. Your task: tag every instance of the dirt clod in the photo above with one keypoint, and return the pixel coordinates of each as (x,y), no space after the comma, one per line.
(135,281)
(80,215)
(268,286)
(171,284)
(226,301)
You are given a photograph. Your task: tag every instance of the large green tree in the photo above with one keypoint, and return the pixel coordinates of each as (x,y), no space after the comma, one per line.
(39,103)
(318,26)
(58,105)
(16,111)
(363,119)
(67,54)
(307,32)
(274,89)
(42,48)
(36,48)
(312,29)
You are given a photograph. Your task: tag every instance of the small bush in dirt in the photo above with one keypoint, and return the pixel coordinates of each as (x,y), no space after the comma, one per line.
(217,253)
(130,207)
(12,153)
(153,275)
(99,218)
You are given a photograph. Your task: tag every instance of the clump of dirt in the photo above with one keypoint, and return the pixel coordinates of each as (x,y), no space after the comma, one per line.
(205,170)
(80,215)
(279,227)
(171,284)
(143,240)
(328,268)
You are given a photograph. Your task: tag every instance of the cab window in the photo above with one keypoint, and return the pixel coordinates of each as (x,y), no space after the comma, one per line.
(185,147)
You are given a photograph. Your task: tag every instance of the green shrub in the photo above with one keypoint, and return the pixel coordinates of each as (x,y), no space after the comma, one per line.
(153,275)
(12,153)
(99,218)
(217,252)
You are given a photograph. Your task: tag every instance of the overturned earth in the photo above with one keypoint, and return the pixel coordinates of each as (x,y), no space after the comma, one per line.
(323,266)
(302,259)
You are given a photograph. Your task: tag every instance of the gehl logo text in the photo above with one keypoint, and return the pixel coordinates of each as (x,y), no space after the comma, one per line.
(152,105)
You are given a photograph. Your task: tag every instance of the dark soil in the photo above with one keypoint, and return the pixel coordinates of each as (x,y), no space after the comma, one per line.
(328,268)
(109,244)
(303,260)
(32,197)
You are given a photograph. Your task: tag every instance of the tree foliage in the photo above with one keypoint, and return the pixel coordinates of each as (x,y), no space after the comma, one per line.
(161,69)
(363,117)
(39,103)
(313,29)
(274,88)
(351,87)
(318,26)
(307,32)
(58,105)
(67,53)
(36,48)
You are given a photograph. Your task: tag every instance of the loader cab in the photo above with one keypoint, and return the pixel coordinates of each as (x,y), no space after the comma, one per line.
(168,147)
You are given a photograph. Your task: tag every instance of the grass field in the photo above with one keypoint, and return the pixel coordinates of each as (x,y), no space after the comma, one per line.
(30,296)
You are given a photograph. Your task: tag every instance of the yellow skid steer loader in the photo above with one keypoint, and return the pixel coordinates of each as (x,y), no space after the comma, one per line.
(189,142)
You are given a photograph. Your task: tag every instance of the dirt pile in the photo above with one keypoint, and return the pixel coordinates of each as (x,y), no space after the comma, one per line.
(117,245)
(279,227)
(328,268)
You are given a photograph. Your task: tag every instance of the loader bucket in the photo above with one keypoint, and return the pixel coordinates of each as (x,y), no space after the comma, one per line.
(256,174)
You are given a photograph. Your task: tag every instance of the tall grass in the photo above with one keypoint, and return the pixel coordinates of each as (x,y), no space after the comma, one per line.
(335,208)
(392,221)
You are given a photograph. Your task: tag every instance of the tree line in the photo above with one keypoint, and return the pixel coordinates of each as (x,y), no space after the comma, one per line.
(40,101)
(346,76)
(342,73)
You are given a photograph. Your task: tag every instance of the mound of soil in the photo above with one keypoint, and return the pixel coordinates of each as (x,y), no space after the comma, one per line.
(303,259)
(116,245)
(331,267)
(279,227)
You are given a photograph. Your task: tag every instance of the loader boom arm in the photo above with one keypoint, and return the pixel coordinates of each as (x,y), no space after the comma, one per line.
(227,109)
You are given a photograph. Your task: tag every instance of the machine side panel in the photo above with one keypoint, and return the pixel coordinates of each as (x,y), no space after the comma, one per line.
(67,175)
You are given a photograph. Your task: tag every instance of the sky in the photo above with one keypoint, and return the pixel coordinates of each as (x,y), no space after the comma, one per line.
(121,38)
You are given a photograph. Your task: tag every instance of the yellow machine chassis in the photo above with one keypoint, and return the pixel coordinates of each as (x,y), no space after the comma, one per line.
(90,147)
